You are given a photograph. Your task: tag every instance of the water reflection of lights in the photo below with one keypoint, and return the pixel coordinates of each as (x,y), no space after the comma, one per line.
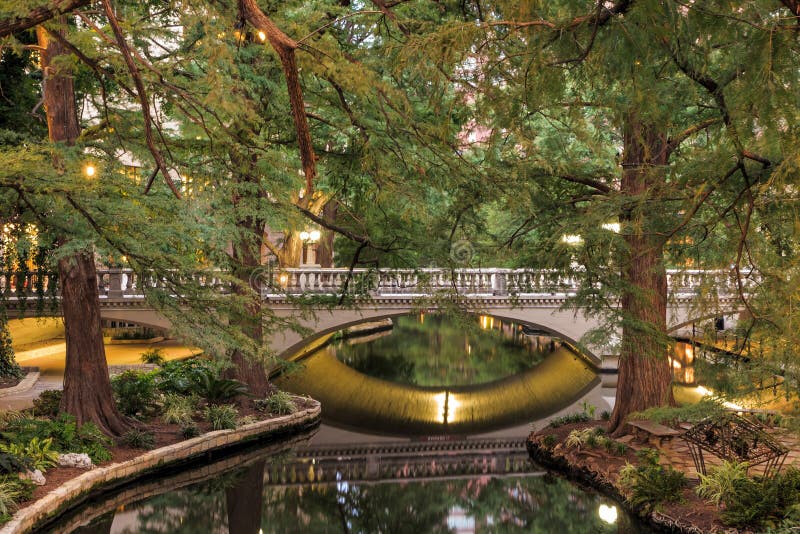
(487,322)
(608,514)
(446,407)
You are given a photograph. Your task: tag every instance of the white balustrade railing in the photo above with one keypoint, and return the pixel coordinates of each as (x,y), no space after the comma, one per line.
(125,283)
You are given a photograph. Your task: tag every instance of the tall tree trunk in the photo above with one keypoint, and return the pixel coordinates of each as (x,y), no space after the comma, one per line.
(325,249)
(245,501)
(246,260)
(644,377)
(87,388)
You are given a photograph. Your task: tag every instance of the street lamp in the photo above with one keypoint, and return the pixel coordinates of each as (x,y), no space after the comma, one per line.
(310,238)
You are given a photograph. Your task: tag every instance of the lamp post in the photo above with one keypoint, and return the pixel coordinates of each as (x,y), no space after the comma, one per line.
(310,238)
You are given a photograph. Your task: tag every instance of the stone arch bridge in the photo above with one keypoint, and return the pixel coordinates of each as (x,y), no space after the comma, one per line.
(530,297)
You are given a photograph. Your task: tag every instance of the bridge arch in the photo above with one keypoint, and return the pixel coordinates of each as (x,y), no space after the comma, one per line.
(564,324)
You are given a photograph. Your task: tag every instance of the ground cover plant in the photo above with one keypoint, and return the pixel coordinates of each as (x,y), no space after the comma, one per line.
(650,484)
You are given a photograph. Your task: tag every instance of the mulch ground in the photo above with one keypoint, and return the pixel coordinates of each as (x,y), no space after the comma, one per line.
(604,468)
(165,434)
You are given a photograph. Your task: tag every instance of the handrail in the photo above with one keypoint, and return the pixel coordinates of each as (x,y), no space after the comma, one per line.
(120,283)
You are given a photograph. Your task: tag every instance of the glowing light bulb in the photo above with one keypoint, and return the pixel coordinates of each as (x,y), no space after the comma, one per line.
(89,170)
(262,36)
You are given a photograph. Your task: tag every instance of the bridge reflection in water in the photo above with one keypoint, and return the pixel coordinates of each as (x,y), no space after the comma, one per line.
(403,461)
(351,399)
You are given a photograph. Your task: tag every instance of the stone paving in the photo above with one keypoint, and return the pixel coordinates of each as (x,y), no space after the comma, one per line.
(676,453)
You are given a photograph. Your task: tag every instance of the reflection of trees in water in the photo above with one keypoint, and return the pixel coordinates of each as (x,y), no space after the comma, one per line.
(239,499)
(442,351)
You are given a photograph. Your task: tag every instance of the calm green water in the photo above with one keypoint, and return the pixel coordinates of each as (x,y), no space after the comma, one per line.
(260,497)
(435,350)
(421,479)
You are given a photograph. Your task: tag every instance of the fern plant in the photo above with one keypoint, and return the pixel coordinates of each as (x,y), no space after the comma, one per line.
(720,481)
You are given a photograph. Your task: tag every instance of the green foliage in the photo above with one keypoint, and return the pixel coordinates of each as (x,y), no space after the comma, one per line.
(279,403)
(153,356)
(179,376)
(11,462)
(215,389)
(757,502)
(593,438)
(137,335)
(135,393)
(10,494)
(138,439)
(48,403)
(9,368)
(650,484)
(720,479)
(221,416)
(549,441)
(588,409)
(39,451)
(190,430)
(65,433)
(569,419)
(178,409)
(690,413)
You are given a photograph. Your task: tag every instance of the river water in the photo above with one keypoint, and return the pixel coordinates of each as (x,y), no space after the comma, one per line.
(410,442)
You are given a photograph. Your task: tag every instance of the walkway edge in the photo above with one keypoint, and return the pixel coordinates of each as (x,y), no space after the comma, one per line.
(66,495)
(24,385)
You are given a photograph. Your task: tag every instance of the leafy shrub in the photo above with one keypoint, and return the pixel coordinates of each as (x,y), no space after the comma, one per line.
(549,441)
(605,415)
(138,439)
(568,419)
(39,452)
(215,389)
(145,333)
(179,376)
(190,430)
(754,502)
(66,435)
(153,356)
(48,403)
(135,393)
(718,483)
(13,463)
(221,416)
(178,409)
(650,484)
(279,403)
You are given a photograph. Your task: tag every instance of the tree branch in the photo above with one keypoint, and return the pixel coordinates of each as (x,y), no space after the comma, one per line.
(285,47)
(39,15)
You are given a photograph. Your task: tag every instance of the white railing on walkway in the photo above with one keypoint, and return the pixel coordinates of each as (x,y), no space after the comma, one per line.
(125,283)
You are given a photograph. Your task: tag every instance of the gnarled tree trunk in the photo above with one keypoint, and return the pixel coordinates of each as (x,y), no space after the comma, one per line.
(645,377)
(87,388)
